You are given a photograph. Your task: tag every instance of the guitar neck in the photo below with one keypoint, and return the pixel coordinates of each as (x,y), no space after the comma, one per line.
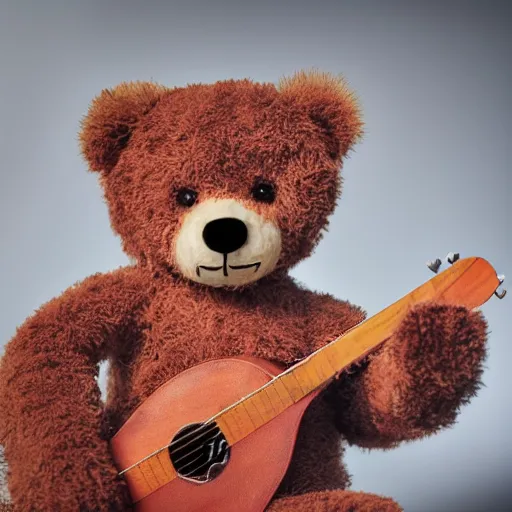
(469,282)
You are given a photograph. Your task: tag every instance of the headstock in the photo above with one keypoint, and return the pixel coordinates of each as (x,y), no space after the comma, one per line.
(452,258)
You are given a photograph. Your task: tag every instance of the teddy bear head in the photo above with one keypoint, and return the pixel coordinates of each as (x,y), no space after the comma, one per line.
(223,183)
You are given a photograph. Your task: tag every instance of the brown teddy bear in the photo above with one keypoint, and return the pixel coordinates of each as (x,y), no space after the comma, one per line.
(217,191)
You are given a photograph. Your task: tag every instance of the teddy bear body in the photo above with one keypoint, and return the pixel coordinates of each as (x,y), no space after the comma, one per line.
(217,191)
(276,326)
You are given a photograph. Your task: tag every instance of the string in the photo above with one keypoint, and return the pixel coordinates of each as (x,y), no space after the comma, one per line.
(175,462)
(192,440)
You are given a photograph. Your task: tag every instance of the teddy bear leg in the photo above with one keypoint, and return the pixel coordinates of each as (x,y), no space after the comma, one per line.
(334,501)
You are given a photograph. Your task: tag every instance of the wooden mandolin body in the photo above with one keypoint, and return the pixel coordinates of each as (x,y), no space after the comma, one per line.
(257,463)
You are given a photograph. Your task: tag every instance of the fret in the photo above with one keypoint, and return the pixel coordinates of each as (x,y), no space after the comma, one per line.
(136,480)
(274,398)
(231,418)
(140,476)
(154,466)
(269,396)
(243,422)
(252,413)
(305,376)
(322,367)
(300,374)
(343,354)
(228,428)
(326,364)
(314,373)
(336,354)
(333,356)
(342,351)
(319,368)
(282,391)
(253,404)
(149,474)
(314,364)
(263,405)
(165,464)
(293,385)
(246,417)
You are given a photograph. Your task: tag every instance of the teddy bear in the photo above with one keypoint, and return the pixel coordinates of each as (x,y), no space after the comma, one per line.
(217,191)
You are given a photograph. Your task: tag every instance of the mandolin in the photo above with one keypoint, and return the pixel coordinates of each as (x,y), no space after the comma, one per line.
(196,443)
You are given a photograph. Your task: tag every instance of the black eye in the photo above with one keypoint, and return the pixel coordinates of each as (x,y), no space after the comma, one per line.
(186,196)
(263,192)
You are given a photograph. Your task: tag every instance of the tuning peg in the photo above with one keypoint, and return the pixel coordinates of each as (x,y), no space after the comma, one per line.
(434,265)
(500,294)
(452,257)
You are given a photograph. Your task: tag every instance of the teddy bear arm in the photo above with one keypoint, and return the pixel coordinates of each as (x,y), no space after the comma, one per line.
(415,384)
(50,399)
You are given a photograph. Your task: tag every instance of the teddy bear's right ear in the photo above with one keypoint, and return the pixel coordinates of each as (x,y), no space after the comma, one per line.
(111,119)
(331,105)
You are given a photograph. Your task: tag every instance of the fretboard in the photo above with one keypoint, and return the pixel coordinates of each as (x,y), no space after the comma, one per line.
(470,282)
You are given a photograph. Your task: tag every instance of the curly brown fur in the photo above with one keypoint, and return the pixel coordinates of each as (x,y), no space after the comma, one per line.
(50,401)
(218,139)
(152,323)
(416,384)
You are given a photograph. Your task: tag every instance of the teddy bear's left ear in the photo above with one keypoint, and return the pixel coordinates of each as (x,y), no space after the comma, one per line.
(330,104)
(111,119)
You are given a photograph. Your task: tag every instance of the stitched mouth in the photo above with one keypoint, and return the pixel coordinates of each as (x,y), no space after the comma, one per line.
(224,267)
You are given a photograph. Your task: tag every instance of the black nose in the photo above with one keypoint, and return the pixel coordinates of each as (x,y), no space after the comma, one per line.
(225,235)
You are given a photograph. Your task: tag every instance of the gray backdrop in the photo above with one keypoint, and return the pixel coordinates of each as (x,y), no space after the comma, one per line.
(432,175)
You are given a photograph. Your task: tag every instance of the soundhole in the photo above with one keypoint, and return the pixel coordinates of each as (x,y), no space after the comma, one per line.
(199,452)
